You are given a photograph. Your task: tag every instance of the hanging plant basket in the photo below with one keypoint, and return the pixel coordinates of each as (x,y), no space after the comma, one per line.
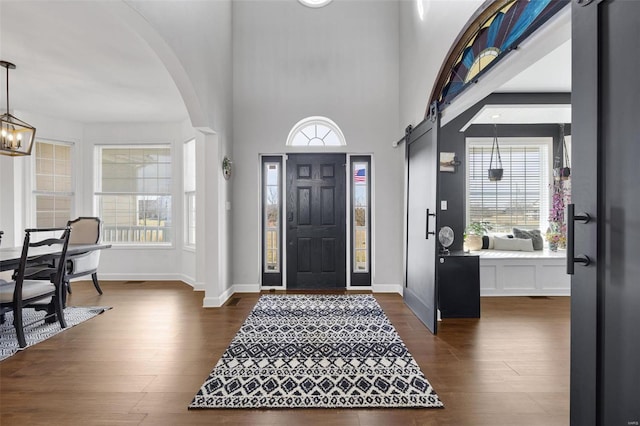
(564,171)
(495,175)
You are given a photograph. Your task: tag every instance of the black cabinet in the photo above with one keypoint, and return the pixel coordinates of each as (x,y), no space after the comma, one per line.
(459,286)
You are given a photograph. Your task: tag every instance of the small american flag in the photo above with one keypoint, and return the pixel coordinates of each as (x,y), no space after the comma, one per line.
(360,176)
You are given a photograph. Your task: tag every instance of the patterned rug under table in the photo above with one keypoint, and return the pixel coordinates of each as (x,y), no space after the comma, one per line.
(39,330)
(316,351)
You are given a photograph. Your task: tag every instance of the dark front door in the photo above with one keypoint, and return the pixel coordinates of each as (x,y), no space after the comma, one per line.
(316,221)
(422,174)
(605,294)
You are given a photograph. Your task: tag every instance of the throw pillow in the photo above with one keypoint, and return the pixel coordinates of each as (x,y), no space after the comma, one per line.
(534,235)
(491,243)
(513,244)
(485,242)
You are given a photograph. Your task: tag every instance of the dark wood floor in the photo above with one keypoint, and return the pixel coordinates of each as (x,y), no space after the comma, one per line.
(142,362)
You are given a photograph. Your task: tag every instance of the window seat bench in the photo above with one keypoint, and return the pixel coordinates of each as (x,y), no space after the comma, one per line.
(518,273)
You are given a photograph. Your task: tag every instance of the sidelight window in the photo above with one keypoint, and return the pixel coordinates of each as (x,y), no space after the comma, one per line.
(271,221)
(360,220)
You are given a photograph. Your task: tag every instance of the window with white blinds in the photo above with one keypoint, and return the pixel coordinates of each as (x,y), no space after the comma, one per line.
(521,198)
(189,182)
(53,189)
(133,193)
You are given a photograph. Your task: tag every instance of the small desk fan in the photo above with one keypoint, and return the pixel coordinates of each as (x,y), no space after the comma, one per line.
(445,236)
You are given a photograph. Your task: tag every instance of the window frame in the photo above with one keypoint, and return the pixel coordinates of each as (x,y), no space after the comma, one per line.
(360,278)
(97,192)
(271,278)
(38,192)
(546,173)
(311,121)
(189,195)
(315,4)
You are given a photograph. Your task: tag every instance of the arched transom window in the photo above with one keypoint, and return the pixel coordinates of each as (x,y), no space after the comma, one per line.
(315,3)
(316,131)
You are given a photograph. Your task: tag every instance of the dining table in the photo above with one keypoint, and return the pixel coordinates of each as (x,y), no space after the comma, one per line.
(10,256)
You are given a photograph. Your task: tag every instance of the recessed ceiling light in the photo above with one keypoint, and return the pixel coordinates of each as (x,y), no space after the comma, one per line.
(315,3)
(495,116)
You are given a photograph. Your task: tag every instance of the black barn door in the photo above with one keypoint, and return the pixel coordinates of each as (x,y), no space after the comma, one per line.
(422,174)
(605,295)
(316,221)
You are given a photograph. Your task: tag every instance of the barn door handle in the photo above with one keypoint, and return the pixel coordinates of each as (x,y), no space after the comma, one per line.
(572,218)
(427,225)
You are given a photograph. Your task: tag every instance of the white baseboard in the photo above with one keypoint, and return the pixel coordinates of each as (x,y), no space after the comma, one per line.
(216,302)
(387,288)
(246,288)
(140,277)
(518,293)
(188,280)
(375,288)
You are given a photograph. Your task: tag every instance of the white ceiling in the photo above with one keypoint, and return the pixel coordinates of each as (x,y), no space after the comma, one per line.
(552,73)
(78,62)
(521,114)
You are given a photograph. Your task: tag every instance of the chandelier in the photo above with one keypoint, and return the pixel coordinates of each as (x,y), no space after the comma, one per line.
(16,136)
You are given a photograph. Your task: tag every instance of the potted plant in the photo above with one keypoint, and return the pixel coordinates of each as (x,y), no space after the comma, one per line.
(556,237)
(556,234)
(473,234)
(495,175)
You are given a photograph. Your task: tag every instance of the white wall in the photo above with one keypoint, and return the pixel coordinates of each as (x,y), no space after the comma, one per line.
(138,263)
(188,255)
(193,40)
(339,61)
(367,65)
(16,175)
(424,45)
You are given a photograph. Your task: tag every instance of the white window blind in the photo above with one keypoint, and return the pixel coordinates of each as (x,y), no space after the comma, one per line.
(521,198)
(53,189)
(189,181)
(134,193)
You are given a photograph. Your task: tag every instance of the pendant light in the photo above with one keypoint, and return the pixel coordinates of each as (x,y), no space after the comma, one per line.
(495,174)
(565,168)
(16,136)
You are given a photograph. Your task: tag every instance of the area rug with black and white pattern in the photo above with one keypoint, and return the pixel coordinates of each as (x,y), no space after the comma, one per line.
(38,330)
(316,351)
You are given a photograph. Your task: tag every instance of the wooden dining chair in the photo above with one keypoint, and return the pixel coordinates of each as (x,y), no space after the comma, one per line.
(24,292)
